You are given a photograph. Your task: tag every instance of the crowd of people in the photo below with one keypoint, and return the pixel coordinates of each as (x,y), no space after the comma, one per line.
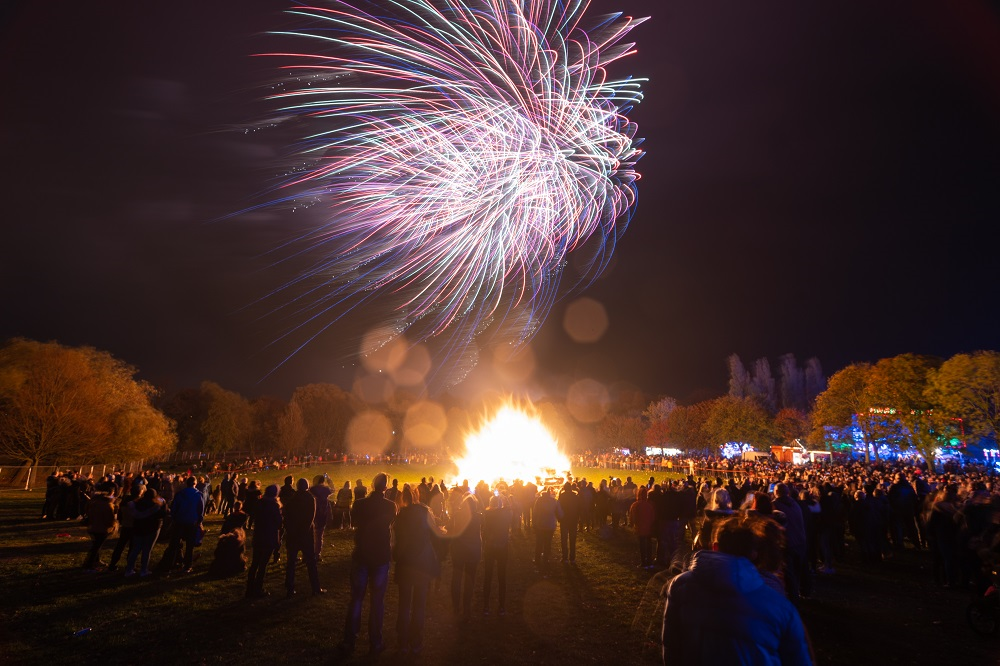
(742,540)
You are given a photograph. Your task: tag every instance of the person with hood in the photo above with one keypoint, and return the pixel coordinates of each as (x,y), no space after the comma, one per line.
(721,611)
(266,539)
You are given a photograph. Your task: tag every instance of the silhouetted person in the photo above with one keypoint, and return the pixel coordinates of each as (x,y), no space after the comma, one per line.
(266,539)
(466,551)
(497,522)
(187,511)
(416,564)
(372,516)
(299,512)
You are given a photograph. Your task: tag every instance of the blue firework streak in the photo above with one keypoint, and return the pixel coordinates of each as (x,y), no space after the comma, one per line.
(461,150)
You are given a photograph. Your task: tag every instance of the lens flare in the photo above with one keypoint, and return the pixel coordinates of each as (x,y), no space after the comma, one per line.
(514,444)
(457,152)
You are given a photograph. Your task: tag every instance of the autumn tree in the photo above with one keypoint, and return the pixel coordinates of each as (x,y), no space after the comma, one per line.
(228,419)
(659,410)
(844,401)
(265,428)
(739,420)
(292,430)
(656,415)
(896,388)
(326,413)
(622,431)
(791,424)
(685,427)
(967,386)
(62,403)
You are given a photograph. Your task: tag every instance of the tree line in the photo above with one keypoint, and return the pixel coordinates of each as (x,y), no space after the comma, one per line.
(908,403)
(63,404)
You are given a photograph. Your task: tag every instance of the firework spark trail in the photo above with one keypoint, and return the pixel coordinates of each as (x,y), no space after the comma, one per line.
(464,149)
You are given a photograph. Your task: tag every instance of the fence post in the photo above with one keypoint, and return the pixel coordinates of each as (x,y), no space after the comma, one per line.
(27,482)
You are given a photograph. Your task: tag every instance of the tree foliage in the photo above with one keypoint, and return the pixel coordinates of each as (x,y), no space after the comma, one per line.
(897,385)
(326,413)
(739,378)
(740,420)
(627,432)
(265,427)
(815,380)
(292,430)
(762,385)
(685,427)
(228,420)
(60,404)
(834,413)
(967,386)
(792,386)
(659,410)
(791,424)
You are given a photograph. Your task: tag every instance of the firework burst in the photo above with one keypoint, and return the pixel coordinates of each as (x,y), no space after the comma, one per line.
(459,150)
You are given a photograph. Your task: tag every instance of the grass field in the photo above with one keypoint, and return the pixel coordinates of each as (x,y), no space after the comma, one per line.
(604,610)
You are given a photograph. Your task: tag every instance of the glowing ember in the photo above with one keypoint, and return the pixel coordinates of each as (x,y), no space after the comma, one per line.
(514,445)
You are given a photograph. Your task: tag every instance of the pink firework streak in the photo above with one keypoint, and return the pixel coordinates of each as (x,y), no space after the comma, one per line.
(460,152)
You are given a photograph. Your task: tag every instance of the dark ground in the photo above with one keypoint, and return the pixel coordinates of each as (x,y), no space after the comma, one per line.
(602,611)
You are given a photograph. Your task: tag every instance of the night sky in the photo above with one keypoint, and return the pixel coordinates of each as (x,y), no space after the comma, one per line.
(820,178)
